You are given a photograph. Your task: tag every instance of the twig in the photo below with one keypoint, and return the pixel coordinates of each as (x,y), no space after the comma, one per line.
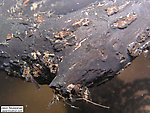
(93,103)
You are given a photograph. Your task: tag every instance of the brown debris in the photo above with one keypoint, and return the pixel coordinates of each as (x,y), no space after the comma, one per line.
(53,68)
(76,91)
(125,21)
(48,60)
(26,2)
(71,87)
(62,34)
(36,71)
(134,49)
(9,36)
(81,22)
(34,6)
(26,73)
(85,22)
(39,19)
(76,23)
(34,55)
(143,36)
(146,45)
(111,10)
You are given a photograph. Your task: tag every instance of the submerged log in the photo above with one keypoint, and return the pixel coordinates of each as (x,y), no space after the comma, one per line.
(75,51)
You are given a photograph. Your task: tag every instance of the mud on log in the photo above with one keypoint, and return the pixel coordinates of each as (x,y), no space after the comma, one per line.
(74,51)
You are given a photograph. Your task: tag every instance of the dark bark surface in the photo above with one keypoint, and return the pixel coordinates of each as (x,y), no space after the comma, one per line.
(102,48)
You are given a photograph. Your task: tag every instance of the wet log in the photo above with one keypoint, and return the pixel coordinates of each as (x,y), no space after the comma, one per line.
(108,39)
(74,51)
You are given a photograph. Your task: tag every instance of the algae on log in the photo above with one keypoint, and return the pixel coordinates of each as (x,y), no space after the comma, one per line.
(80,49)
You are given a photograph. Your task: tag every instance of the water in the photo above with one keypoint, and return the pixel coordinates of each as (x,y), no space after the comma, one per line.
(17,92)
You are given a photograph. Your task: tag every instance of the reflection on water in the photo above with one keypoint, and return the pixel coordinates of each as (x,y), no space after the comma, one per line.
(138,70)
(129,92)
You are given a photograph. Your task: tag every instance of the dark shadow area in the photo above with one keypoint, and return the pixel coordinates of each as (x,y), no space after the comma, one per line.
(121,98)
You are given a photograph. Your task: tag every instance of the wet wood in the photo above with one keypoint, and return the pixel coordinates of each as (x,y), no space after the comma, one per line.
(81,47)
